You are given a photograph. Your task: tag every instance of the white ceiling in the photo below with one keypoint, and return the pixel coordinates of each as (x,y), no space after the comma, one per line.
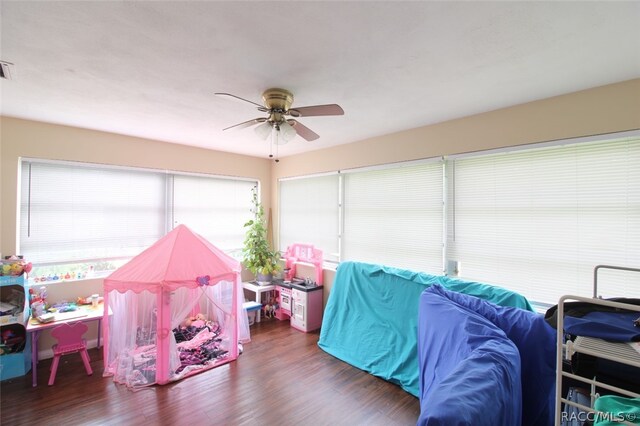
(150,69)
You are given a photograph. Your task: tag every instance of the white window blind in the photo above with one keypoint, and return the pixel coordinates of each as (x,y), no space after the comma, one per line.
(74,213)
(538,221)
(309,213)
(215,208)
(394,217)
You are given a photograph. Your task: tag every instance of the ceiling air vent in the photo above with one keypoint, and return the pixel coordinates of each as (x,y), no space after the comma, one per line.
(6,70)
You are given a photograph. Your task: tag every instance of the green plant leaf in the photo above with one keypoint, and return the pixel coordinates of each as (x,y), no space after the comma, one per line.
(257,255)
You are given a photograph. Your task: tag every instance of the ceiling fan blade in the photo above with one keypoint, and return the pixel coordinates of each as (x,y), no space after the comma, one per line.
(247,123)
(303,130)
(316,110)
(261,107)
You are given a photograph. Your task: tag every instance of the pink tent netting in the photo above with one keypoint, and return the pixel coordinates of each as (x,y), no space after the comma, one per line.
(173,311)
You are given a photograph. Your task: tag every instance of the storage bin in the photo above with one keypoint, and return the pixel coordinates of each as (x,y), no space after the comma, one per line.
(15,359)
(252,308)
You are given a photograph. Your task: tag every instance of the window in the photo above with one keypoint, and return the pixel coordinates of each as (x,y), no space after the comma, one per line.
(72,213)
(309,213)
(215,208)
(534,219)
(538,221)
(394,216)
(76,219)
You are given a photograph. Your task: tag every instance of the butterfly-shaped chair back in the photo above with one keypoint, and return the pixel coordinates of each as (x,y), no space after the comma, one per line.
(70,340)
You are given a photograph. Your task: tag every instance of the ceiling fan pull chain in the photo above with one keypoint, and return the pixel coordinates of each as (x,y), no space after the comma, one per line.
(271,144)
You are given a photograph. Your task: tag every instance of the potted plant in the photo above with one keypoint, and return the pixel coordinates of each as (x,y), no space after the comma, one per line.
(257,255)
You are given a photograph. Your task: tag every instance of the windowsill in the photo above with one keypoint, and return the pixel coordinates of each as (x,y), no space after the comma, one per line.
(330,266)
(32,283)
(540,307)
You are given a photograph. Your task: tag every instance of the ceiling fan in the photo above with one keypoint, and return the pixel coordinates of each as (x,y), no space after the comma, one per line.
(277,104)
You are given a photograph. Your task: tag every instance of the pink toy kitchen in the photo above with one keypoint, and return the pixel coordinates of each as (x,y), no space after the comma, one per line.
(300,298)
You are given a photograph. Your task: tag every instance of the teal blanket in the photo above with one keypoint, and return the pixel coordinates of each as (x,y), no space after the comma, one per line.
(371,317)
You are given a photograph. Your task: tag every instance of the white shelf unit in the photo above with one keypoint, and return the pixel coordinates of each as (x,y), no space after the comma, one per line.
(618,352)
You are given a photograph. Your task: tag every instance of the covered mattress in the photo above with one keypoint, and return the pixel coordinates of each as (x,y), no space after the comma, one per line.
(451,329)
(371,317)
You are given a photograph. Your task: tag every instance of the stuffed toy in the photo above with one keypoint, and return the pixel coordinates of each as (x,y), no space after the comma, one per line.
(199,321)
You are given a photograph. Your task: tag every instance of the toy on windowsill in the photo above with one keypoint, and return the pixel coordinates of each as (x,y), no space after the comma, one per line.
(15,266)
(62,276)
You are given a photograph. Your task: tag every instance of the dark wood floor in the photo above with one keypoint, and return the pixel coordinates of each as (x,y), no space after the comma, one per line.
(282,378)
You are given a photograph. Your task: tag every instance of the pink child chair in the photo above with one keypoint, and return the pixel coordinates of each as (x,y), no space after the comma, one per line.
(69,337)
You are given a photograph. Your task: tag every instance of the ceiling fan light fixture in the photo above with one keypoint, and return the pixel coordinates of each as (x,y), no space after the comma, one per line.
(287,132)
(263,130)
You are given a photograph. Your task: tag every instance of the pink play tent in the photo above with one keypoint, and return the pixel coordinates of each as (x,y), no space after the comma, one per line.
(172,311)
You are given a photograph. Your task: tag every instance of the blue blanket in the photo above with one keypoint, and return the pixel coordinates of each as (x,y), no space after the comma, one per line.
(440,350)
(469,369)
(371,317)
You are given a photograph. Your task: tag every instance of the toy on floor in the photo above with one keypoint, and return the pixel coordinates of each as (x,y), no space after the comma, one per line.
(270,308)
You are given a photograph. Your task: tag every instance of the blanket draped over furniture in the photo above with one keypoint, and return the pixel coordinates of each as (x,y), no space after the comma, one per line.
(483,364)
(371,317)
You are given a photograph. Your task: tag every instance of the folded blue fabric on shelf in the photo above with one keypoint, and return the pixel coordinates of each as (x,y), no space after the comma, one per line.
(613,326)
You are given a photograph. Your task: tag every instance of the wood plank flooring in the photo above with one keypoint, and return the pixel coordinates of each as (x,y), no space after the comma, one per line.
(282,378)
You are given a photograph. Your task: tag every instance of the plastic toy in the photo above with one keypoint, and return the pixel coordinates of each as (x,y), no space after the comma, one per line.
(270,308)
(16,269)
(15,266)
(306,253)
(7,335)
